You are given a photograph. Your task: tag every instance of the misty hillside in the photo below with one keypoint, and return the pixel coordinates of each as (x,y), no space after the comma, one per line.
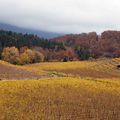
(40,33)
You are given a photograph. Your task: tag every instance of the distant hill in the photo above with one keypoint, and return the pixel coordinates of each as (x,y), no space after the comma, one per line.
(106,44)
(40,33)
(82,46)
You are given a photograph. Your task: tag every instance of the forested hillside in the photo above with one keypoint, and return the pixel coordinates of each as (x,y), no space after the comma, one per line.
(23,30)
(8,39)
(69,47)
(105,45)
(11,41)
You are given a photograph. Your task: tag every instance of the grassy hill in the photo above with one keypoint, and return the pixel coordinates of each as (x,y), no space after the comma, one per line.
(104,68)
(8,71)
(87,90)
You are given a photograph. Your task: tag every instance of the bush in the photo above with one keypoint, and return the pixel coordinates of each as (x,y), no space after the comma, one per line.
(10,54)
(30,56)
(66,59)
(38,57)
(24,59)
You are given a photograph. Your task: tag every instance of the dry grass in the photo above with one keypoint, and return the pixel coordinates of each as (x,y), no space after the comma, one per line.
(60,99)
(105,68)
(8,71)
(90,91)
(95,69)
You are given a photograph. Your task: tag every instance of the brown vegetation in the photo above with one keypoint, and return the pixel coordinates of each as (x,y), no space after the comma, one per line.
(12,55)
(8,72)
(105,45)
(82,46)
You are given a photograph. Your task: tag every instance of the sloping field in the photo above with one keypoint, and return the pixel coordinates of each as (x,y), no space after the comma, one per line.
(8,71)
(96,69)
(106,68)
(88,90)
(60,99)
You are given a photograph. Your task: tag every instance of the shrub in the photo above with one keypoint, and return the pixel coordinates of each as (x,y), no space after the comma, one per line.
(30,56)
(38,57)
(66,59)
(10,54)
(24,59)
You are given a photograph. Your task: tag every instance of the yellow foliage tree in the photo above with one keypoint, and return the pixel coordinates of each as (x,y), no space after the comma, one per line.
(10,54)
(30,56)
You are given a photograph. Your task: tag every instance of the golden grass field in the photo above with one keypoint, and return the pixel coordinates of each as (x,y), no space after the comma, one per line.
(86,90)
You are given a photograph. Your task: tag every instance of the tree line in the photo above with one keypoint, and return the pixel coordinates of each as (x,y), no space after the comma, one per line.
(19,40)
(18,48)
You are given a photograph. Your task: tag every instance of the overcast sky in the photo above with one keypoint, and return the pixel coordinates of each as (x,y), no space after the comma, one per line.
(66,16)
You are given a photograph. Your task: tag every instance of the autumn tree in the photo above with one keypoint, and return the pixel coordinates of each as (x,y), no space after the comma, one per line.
(30,56)
(10,54)
(38,57)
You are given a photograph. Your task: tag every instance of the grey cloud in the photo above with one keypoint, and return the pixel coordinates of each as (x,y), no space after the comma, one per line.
(68,16)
